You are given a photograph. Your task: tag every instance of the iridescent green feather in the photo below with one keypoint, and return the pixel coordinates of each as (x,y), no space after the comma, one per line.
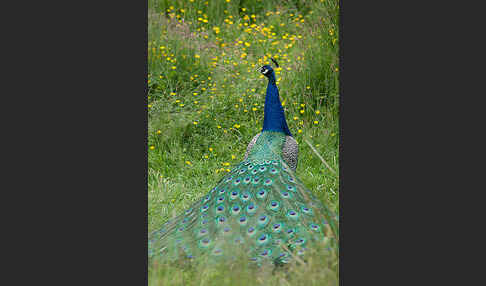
(260,207)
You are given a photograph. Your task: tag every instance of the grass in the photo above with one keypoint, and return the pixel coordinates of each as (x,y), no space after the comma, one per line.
(320,269)
(206,103)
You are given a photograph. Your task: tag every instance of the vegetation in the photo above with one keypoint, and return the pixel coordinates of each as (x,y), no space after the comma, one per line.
(205,103)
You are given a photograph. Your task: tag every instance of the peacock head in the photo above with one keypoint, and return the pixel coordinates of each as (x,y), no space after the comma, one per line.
(266,70)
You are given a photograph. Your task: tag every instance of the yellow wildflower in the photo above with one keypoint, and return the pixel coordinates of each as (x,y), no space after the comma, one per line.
(152,147)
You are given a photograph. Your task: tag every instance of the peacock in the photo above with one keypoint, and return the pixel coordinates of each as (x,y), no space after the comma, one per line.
(260,207)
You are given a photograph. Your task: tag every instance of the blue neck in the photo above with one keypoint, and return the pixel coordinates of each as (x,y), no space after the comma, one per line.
(274,117)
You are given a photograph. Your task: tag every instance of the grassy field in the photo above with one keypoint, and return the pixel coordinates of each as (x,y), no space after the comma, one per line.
(206,103)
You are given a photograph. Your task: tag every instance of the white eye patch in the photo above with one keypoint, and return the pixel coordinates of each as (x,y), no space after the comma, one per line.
(264,71)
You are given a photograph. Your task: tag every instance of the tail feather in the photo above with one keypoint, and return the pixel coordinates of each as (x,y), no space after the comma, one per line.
(257,207)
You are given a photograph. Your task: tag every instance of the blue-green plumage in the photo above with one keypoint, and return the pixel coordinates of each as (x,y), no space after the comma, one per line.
(260,206)
(274,117)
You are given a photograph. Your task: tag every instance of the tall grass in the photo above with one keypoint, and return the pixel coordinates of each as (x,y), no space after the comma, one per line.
(203,113)
(320,268)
